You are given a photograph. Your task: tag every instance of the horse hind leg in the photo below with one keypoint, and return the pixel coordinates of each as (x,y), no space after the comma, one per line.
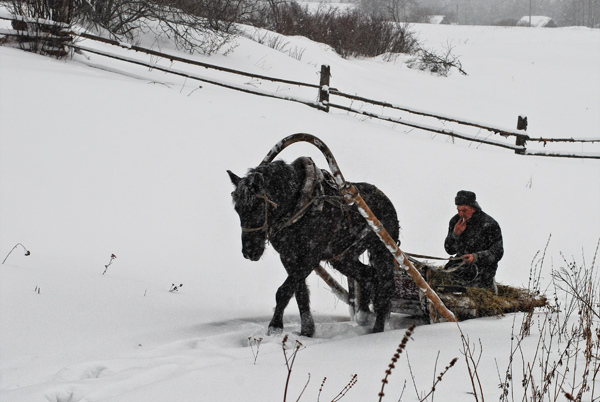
(351,267)
(307,322)
(383,264)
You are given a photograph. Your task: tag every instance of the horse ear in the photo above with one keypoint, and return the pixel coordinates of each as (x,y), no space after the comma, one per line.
(234,179)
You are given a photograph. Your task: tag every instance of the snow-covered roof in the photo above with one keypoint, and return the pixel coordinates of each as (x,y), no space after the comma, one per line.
(536,21)
(435,19)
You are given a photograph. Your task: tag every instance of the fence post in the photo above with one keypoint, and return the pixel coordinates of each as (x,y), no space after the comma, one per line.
(324,87)
(521,140)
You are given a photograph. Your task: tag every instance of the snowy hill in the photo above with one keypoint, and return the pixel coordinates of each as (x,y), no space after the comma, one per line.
(98,157)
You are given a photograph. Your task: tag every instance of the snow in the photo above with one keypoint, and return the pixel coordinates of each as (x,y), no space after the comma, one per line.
(100,157)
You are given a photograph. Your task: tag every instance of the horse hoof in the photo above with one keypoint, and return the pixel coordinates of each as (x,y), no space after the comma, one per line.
(274,331)
(362,318)
(308,333)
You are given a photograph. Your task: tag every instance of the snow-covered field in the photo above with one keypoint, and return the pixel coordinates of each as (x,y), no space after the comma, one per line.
(98,157)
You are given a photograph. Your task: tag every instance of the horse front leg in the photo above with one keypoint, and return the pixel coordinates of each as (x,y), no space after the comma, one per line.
(295,283)
(282,299)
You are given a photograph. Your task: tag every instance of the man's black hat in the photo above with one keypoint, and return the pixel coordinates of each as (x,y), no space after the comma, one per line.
(464,197)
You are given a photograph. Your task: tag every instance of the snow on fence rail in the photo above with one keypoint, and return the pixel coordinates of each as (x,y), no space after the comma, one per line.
(325,92)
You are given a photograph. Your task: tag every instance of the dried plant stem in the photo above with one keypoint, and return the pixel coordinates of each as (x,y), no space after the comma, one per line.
(257,342)
(289,363)
(16,245)
(564,361)
(112,257)
(347,388)
(304,389)
(395,358)
(438,379)
(472,365)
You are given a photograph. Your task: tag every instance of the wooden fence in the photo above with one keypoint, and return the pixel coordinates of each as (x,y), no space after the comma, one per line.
(325,93)
(41,36)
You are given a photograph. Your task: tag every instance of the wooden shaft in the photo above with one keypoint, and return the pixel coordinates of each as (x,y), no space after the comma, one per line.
(336,288)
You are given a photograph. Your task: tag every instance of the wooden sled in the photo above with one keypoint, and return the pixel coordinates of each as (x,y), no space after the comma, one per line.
(465,303)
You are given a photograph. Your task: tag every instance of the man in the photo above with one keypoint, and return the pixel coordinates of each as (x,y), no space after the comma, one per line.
(476,238)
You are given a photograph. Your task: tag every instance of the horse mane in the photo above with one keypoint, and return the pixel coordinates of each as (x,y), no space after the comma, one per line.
(270,179)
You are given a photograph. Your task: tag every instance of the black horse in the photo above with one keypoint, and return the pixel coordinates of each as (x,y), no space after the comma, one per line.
(301,213)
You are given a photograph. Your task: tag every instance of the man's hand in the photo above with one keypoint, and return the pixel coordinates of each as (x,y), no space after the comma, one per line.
(468,258)
(460,226)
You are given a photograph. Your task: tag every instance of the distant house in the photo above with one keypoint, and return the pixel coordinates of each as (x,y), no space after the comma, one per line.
(436,19)
(537,21)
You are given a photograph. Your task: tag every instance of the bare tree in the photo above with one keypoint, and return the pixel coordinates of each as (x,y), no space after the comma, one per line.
(400,10)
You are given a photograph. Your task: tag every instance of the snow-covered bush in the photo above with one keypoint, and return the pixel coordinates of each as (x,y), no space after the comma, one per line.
(350,32)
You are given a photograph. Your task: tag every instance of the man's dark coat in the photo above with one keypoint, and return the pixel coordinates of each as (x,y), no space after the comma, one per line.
(483,238)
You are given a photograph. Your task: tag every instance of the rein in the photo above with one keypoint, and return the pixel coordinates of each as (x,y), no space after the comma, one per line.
(265,225)
(413,258)
(429,257)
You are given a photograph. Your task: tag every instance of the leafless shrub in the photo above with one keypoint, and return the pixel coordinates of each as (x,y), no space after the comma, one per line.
(178,21)
(439,63)
(565,360)
(194,26)
(42,25)
(351,33)
(51,10)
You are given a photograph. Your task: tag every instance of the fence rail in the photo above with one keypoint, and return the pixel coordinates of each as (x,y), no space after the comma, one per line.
(194,77)
(189,61)
(325,92)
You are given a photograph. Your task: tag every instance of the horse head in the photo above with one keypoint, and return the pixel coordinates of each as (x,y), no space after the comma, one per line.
(253,206)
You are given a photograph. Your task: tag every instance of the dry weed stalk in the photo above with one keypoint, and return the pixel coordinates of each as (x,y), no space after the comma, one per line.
(27,252)
(289,363)
(533,286)
(565,359)
(395,359)
(254,342)
(472,360)
(175,288)
(423,397)
(112,257)
(438,379)
(348,387)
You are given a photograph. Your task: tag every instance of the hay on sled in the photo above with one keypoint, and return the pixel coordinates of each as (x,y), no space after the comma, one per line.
(464,302)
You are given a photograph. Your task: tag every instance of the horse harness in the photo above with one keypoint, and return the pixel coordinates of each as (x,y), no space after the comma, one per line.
(265,225)
(315,178)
